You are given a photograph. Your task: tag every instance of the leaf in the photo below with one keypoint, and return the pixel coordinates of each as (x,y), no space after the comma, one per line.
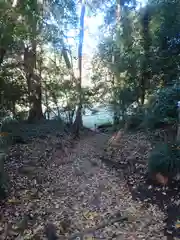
(89,237)
(90,215)
(177,225)
(13,200)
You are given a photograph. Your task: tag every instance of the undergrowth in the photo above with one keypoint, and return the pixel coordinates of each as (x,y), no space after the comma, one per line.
(165,159)
(160,110)
(160,113)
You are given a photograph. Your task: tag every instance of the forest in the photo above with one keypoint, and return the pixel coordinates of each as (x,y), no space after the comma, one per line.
(59,179)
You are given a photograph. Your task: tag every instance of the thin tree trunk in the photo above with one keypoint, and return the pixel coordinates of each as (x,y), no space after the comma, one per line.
(118,17)
(178,126)
(14,109)
(33,81)
(145,65)
(118,12)
(47,104)
(78,121)
(2,54)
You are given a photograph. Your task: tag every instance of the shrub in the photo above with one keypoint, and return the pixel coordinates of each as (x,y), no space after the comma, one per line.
(160,111)
(135,120)
(165,159)
(162,107)
(21,116)
(10,128)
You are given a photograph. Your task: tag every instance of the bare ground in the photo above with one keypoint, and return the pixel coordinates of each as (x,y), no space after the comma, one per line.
(73,190)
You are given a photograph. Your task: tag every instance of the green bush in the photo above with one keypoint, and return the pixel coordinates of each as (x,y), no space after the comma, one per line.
(21,116)
(135,120)
(161,110)
(162,107)
(11,127)
(165,159)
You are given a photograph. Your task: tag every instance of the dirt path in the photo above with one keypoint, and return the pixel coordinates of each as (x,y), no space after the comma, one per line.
(74,192)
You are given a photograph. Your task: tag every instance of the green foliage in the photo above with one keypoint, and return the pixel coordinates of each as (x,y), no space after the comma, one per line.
(22,115)
(165,108)
(165,159)
(162,108)
(12,88)
(9,131)
(141,52)
(165,26)
(122,98)
(135,120)
(120,53)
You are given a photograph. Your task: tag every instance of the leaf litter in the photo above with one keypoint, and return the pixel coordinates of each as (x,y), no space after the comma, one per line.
(55,180)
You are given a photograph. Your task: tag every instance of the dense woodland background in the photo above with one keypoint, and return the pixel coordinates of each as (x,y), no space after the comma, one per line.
(137,59)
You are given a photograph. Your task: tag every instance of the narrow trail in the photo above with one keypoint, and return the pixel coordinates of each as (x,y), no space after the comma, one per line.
(73,192)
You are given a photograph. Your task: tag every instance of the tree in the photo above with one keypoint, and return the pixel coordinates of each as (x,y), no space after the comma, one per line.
(9,18)
(30,63)
(143,53)
(119,55)
(146,43)
(78,121)
(25,29)
(165,24)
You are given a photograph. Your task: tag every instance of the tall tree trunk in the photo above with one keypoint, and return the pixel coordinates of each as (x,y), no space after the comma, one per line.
(33,80)
(2,54)
(118,10)
(47,103)
(115,113)
(178,125)
(33,83)
(145,64)
(114,76)
(78,121)
(14,108)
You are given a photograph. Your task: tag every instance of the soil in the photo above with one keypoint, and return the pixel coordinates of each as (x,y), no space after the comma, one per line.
(143,188)
(65,184)
(166,198)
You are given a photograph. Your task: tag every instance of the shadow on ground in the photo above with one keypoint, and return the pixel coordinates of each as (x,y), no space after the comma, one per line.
(166,198)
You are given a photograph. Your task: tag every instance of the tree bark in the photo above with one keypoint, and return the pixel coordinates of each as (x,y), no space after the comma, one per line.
(33,80)
(78,123)
(178,126)
(33,83)
(47,103)
(2,54)
(145,75)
